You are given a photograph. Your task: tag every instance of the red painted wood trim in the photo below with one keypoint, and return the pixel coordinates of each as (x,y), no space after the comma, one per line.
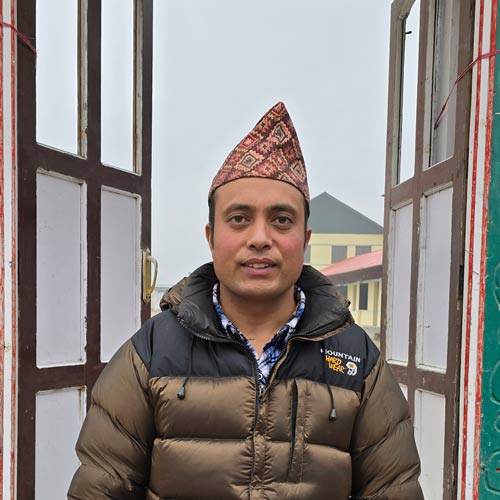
(471,254)
(2,268)
(482,271)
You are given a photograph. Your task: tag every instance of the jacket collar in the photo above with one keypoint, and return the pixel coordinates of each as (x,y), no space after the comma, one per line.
(191,301)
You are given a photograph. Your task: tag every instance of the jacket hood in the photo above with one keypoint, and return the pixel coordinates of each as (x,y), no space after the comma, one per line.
(191,300)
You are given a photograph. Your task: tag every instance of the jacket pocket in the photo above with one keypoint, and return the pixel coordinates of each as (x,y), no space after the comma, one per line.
(293,429)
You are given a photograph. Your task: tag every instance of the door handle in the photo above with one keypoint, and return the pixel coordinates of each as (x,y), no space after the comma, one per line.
(147,286)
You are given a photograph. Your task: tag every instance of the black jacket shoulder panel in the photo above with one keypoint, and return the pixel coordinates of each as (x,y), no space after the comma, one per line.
(354,344)
(168,349)
(343,359)
(144,339)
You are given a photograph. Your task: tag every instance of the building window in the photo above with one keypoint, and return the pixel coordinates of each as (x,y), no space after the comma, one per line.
(339,252)
(363,297)
(307,255)
(361,249)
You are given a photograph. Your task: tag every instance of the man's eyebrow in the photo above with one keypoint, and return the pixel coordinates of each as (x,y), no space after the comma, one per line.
(237,206)
(280,207)
(283,208)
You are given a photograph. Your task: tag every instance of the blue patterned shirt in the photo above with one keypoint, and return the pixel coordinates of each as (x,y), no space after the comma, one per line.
(273,349)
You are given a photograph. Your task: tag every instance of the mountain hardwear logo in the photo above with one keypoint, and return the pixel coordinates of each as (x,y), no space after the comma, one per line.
(336,360)
(352,368)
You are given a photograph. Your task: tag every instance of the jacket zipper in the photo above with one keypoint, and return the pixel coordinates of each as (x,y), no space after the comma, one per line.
(294,407)
(244,349)
(274,370)
(255,368)
(280,361)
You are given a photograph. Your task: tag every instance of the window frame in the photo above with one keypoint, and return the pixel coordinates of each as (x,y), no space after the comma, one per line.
(87,168)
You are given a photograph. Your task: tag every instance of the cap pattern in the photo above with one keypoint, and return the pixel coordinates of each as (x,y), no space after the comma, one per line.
(271,150)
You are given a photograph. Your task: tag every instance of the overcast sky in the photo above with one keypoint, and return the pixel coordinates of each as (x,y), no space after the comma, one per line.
(219,65)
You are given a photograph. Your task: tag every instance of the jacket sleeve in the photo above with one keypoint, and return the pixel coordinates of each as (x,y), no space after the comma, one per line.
(384,455)
(114,446)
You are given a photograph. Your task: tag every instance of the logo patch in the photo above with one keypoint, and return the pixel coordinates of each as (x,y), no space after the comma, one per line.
(352,368)
(335,364)
(341,362)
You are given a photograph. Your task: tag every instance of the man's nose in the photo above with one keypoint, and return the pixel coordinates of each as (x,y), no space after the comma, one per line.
(259,235)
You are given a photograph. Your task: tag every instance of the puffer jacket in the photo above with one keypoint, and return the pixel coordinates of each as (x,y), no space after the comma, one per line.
(176,415)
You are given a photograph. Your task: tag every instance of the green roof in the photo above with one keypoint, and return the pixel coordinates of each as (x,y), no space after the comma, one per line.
(331,216)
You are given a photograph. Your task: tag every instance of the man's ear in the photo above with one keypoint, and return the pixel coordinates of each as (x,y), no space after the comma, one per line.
(208,235)
(308,237)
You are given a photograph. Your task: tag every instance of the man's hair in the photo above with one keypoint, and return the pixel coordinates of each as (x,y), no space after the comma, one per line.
(211,214)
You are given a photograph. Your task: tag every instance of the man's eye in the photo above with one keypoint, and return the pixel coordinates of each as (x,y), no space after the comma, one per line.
(283,220)
(237,219)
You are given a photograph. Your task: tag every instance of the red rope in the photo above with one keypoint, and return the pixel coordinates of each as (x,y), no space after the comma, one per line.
(21,36)
(460,76)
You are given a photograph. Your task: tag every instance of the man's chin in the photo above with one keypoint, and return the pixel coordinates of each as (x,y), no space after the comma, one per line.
(261,293)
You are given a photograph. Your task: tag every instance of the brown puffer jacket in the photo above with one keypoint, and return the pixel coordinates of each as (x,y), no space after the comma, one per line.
(175,415)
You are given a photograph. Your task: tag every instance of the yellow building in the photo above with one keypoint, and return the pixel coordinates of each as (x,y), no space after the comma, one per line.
(339,232)
(359,279)
(347,247)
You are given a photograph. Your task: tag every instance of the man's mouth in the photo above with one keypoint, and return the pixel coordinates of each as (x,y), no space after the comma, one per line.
(259,264)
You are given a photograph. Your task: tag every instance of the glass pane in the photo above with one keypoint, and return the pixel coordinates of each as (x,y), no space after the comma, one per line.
(430,414)
(120,270)
(409,81)
(362,249)
(59,418)
(363,296)
(214,77)
(445,73)
(339,253)
(117,84)
(61,265)
(57,74)
(398,292)
(434,289)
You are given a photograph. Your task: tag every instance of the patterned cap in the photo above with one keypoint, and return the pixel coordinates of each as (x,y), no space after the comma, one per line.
(271,150)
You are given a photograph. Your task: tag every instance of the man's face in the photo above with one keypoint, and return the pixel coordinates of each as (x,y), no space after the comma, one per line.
(258,240)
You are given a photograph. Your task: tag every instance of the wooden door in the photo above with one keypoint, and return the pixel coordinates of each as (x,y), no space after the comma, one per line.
(424,223)
(84,140)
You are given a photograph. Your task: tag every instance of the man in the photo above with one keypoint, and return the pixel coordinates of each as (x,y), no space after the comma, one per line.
(254,382)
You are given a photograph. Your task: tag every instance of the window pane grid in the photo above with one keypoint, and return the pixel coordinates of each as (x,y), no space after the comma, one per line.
(409,46)
(445,70)
(118,84)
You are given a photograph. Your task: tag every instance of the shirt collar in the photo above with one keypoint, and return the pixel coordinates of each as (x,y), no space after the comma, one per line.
(289,326)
